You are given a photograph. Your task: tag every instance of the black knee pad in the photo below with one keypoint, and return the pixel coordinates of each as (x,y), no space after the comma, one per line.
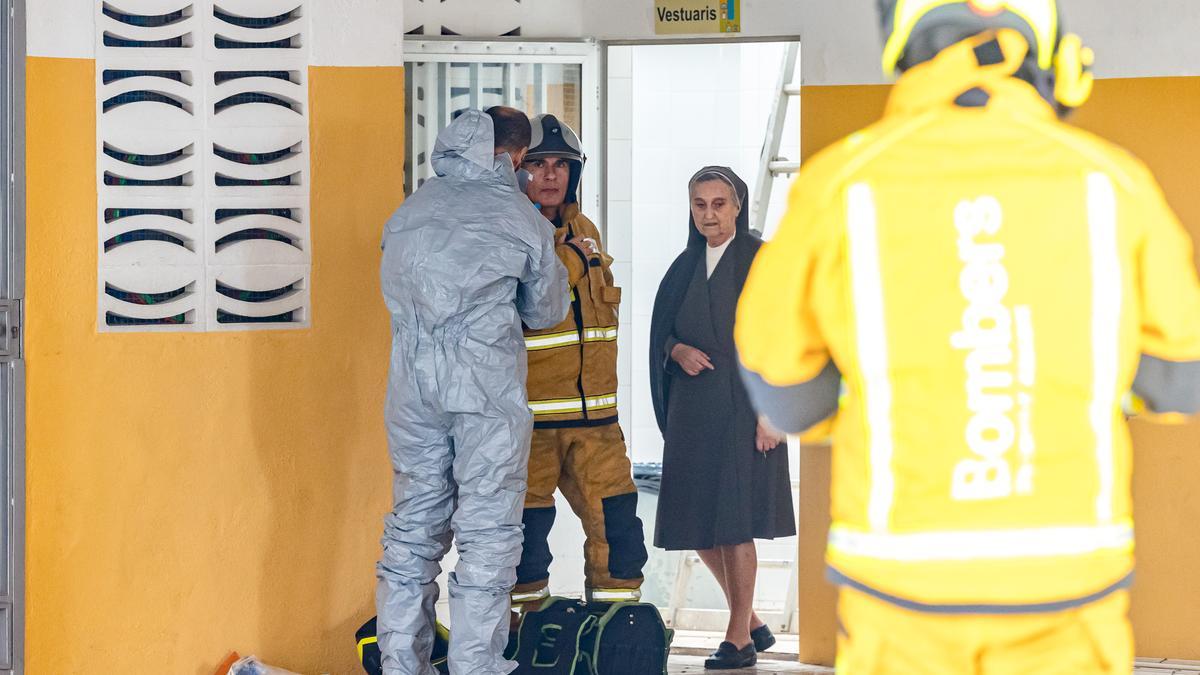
(626,541)
(535,553)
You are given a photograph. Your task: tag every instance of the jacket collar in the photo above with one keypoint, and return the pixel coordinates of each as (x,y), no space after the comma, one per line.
(568,212)
(987,62)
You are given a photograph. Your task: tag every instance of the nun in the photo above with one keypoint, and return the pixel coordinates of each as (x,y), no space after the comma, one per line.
(725,479)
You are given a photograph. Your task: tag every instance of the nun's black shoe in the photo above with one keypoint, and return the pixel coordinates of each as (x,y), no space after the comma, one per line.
(729,657)
(763,638)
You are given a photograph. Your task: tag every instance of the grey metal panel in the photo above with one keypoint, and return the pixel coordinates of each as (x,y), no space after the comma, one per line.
(17,458)
(6,637)
(10,330)
(12,372)
(12,122)
(474,85)
(410,91)
(7,396)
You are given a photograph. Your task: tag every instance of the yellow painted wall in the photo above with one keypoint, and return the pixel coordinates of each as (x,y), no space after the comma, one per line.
(193,494)
(1155,118)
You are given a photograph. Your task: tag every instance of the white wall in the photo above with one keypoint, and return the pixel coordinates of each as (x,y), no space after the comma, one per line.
(841,41)
(634,19)
(60,28)
(601,19)
(1132,39)
(840,37)
(489,18)
(357,33)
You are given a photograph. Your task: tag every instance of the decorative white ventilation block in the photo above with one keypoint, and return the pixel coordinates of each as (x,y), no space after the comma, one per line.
(203,165)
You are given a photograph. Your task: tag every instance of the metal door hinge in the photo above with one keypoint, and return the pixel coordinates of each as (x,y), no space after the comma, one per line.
(10,331)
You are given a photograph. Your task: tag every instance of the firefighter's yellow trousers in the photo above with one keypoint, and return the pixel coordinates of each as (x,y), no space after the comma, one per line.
(879,638)
(591,468)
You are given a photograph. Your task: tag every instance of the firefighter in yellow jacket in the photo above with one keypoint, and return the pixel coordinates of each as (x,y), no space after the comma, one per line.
(986,281)
(577,444)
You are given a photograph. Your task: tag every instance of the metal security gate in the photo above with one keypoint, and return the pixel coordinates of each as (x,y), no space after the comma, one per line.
(12,365)
(445,77)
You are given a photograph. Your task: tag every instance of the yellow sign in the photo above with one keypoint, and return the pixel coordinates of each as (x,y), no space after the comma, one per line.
(673,17)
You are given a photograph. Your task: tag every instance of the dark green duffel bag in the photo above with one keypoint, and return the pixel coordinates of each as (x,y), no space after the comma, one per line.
(571,637)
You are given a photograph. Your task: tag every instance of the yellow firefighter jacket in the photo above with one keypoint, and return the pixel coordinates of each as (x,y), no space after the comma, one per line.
(573,366)
(985,278)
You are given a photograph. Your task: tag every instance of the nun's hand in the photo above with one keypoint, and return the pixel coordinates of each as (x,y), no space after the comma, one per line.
(691,360)
(767,438)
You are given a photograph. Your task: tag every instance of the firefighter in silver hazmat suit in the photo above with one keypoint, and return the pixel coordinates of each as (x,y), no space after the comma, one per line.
(466,260)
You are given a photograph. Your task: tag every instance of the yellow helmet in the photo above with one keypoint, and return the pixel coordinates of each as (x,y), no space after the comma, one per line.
(906,23)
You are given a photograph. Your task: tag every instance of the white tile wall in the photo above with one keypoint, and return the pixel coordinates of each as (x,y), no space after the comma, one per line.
(620,62)
(620,163)
(619,243)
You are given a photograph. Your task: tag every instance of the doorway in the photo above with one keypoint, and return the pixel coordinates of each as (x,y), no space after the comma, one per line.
(672,109)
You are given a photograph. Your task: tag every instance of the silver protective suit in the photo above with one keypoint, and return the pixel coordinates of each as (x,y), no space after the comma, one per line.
(466,259)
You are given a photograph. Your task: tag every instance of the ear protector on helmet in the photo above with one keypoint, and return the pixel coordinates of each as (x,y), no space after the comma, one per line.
(1073,77)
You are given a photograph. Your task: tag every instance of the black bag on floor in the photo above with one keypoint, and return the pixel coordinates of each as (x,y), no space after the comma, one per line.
(570,637)
(628,638)
(372,661)
(548,640)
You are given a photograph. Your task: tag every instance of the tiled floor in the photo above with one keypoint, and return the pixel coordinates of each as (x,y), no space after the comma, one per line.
(690,647)
(694,665)
(704,642)
(1166,667)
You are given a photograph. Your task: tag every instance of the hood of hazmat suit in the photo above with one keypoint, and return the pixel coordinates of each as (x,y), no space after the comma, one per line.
(467,260)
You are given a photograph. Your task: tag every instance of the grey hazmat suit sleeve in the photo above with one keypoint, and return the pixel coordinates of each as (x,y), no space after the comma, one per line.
(543,295)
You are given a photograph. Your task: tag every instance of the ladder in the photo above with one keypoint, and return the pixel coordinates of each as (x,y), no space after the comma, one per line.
(680,616)
(770,164)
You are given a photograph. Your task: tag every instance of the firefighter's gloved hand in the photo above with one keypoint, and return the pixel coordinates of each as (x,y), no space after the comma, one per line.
(586,245)
(1132,405)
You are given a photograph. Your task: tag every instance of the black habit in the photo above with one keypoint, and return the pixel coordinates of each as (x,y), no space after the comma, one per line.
(717,489)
